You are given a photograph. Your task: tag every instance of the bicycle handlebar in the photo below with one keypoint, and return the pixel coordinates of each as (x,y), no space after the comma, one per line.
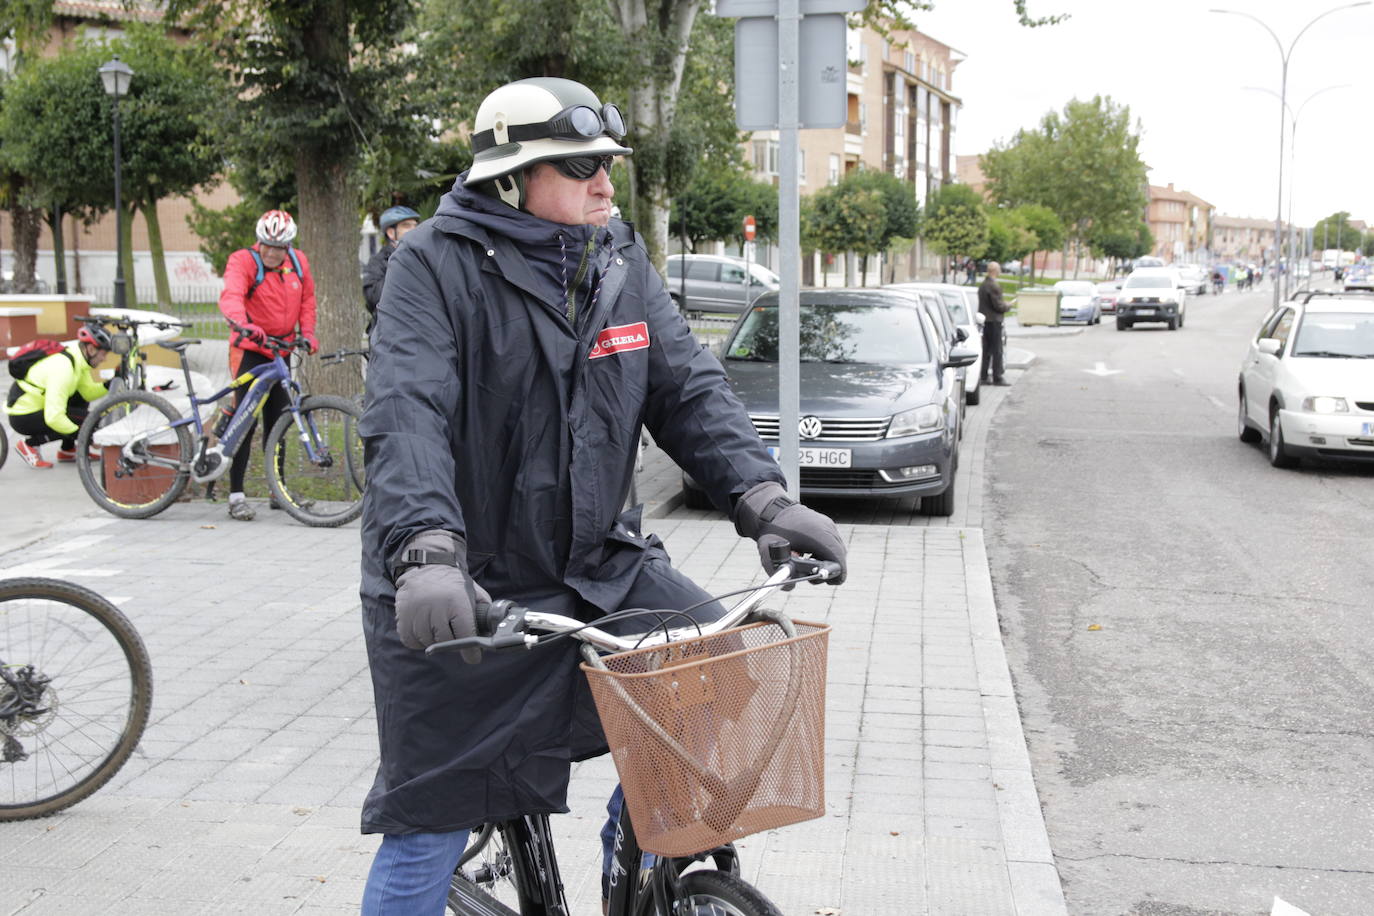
(503,625)
(274,344)
(127,323)
(339,356)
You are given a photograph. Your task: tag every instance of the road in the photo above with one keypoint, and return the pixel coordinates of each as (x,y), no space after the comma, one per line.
(1187,629)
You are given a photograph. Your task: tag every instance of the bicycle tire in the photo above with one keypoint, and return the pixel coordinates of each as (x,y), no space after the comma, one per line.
(30,622)
(4,445)
(355,463)
(713,893)
(321,494)
(487,881)
(158,485)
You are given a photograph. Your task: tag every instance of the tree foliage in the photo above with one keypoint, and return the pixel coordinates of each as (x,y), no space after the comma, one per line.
(1008,237)
(901,215)
(716,202)
(1335,231)
(956,223)
(847,217)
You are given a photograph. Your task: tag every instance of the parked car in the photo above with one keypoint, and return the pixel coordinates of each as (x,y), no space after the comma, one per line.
(963,326)
(1194,278)
(1078,301)
(1015,268)
(715,283)
(879,415)
(1305,383)
(1107,293)
(1147,261)
(1152,294)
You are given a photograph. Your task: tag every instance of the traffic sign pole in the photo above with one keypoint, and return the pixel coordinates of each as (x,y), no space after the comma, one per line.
(789,246)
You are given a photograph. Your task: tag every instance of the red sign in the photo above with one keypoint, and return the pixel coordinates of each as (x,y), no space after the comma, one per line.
(749,228)
(619,339)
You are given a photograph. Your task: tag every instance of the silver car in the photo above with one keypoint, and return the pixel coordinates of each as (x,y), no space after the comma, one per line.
(715,283)
(879,409)
(962,304)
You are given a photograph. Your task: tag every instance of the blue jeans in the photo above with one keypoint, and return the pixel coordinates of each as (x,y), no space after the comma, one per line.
(410,874)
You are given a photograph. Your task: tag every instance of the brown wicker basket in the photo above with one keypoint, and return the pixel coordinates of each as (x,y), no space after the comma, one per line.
(717,737)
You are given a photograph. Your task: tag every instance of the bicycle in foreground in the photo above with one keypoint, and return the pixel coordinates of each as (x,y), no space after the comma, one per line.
(137,453)
(716,731)
(76,687)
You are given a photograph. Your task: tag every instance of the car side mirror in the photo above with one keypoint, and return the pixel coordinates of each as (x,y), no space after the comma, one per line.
(960,335)
(1270,345)
(959,358)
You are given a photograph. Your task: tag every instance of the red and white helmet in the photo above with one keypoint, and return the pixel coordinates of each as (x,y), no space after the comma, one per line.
(276,227)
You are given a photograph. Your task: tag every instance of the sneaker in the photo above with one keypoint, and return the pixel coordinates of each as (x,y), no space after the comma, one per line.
(241,511)
(302,504)
(31,455)
(68,455)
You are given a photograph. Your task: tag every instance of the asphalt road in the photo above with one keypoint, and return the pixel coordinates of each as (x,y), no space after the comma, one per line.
(1187,629)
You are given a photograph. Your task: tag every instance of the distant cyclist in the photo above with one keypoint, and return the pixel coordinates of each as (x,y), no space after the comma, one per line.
(394,223)
(51,400)
(268,290)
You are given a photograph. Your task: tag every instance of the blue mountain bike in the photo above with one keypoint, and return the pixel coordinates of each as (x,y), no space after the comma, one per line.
(137,453)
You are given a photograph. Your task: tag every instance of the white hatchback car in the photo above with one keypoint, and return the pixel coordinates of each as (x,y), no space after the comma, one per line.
(1307,383)
(962,303)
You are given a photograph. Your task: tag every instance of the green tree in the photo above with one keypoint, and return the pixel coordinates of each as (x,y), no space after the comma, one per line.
(955,222)
(846,217)
(1008,238)
(716,202)
(1335,231)
(1041,223)
(1121,243)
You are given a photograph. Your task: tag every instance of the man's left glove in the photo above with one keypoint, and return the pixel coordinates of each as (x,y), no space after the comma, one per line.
(768,515)
(311,343)
(436,599)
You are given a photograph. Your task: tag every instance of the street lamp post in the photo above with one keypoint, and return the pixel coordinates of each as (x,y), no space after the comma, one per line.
(1285,56)
(115,75)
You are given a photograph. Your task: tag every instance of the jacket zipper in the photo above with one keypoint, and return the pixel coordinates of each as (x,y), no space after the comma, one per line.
(577,280)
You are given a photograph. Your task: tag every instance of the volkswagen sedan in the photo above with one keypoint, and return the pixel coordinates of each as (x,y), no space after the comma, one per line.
(879,395)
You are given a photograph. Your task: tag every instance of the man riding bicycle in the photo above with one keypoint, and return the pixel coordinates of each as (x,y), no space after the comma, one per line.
(522,341)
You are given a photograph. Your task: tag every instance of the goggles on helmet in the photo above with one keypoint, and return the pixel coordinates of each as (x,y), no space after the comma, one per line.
(582,168)
(578,122)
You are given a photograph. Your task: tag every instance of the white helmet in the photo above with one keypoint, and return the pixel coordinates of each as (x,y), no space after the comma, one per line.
(276,227)
(540,120)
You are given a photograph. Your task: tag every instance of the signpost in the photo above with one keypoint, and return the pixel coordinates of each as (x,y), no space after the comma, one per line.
(803,42)
(748,252)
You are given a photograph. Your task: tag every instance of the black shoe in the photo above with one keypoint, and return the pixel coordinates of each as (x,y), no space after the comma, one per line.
(1001,383)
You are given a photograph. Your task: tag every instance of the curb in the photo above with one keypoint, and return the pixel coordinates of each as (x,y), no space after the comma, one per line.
(1017,358)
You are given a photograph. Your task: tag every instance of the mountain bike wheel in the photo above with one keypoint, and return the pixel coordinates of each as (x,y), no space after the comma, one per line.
(143,462)
(316,466)
(4,445)
(76,687)
(489,880)
(714,893)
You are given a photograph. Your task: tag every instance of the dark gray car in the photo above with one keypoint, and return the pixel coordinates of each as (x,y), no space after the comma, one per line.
(879,395)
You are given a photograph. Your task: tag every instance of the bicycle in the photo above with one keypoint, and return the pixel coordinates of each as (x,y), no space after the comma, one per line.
(130,373)
(716,731)
(76,687)
(336,358)
(136,454)
(4,445)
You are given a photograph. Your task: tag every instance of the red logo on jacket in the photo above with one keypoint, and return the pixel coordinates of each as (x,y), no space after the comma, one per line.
(619,339)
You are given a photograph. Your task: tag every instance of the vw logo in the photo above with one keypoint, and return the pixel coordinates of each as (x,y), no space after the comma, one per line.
(810,427)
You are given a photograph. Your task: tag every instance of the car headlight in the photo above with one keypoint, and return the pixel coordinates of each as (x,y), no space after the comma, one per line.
(1320,404)
(920,420)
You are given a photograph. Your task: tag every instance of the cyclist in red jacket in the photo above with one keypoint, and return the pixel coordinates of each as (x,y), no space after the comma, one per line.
(268,290)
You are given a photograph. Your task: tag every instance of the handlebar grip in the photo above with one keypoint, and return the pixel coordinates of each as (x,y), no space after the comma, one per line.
(779,552)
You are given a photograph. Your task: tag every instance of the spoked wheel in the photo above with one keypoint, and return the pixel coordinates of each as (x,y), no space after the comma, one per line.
(487,880)
(4,445)
(316,471)
(75,690)
(142,462)
(715,893)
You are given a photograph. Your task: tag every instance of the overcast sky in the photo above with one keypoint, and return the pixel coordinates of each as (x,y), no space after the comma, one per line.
(1182,71)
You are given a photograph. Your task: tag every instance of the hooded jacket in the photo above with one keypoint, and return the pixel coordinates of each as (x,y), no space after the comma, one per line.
(281,302)
(493,414)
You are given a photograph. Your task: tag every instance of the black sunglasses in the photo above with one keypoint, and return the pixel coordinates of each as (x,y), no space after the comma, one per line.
(577,122)
(582,168)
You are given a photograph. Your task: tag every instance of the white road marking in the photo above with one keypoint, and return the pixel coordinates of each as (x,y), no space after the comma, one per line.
(1284,908)
(1102,371)
(1217,401)
(1178,372)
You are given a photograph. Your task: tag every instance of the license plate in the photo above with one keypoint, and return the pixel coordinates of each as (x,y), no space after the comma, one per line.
(1144,311)
(1367,429)
(811,457)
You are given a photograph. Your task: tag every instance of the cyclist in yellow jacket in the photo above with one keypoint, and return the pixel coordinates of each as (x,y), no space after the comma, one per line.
(51,400)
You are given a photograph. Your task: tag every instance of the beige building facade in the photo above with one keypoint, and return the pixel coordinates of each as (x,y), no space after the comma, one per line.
(1181,223)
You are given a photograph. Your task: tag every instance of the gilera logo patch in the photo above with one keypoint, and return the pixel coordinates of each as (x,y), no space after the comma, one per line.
(619,339)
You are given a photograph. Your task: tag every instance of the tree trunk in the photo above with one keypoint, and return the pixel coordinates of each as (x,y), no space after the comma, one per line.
(25,222)
(329,208)
(130,281)
(156,252)
(1064,261)
(76,260)
(850,268)
(659,31)
(59,251)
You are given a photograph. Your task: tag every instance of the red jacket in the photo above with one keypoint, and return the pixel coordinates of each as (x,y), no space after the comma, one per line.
(280,303)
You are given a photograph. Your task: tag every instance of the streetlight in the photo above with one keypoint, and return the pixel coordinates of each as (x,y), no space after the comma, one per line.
(1292,154)
(115,74)
(1283,104)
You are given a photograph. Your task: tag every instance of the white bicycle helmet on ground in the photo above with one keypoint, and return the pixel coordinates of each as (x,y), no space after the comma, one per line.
(539,120)
(276,227)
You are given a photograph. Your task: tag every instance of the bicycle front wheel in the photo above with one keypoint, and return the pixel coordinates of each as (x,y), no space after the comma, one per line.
(141,462)
(76,687)
(315,469)
(713,893)
(4,445)
(489,878)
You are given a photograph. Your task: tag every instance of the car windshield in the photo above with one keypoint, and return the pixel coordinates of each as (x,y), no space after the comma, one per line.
(836,333)
(1075,287)
(955,303)
(1336,335)
(1147,283)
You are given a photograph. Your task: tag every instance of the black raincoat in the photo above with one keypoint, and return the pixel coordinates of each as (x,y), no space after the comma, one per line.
(492,415)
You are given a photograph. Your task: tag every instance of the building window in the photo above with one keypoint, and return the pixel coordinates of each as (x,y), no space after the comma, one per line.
(910,62)
(863,117)
(801,166)
(766,157)
(832,173)
(887,48)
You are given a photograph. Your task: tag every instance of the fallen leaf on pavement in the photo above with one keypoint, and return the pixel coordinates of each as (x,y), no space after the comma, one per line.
(1094,626)
(208,527)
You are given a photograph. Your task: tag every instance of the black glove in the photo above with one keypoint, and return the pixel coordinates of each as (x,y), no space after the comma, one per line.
(436,600)
(768,515)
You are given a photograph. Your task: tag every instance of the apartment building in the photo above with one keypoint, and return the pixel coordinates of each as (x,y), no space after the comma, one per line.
(901,119)
(1237,238)
(1181,223)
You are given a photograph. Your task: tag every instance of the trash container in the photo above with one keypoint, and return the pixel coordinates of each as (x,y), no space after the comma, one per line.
(1038,306)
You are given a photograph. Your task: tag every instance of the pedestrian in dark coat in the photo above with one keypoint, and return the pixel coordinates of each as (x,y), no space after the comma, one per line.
(394,223)
(993,307)
(522,341)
